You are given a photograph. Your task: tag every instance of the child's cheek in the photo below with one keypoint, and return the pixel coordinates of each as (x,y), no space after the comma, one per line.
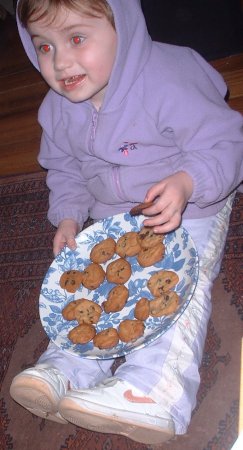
(46,67)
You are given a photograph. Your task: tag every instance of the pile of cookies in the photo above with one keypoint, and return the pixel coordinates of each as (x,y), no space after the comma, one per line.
(148,248)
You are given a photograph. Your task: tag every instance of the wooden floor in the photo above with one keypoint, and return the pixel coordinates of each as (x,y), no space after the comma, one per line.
(22,90)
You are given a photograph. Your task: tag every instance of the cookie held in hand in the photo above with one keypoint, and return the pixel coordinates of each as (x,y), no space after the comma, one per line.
(136,210)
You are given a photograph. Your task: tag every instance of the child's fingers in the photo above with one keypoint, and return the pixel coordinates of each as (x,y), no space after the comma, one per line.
(71,243)
(164,222)
(57,247)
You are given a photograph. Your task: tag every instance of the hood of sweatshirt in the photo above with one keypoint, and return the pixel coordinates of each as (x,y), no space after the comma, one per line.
(133,52)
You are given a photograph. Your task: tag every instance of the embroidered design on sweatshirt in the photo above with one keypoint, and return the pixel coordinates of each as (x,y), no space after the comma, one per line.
(126,147)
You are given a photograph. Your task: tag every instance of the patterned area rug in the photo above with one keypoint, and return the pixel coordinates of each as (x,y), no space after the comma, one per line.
(25,254)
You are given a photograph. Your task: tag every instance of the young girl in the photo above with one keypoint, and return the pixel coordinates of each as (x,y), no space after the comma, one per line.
(129,120)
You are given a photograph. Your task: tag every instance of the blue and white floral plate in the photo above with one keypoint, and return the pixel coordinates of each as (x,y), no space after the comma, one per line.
(180,257)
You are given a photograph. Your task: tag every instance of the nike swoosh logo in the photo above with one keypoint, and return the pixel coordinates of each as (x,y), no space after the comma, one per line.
(135,399)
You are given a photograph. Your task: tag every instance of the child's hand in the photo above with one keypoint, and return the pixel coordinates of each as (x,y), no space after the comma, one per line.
(65,235)
(172,195)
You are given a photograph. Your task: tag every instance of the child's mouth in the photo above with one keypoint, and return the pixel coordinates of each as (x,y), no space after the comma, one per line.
(76,79)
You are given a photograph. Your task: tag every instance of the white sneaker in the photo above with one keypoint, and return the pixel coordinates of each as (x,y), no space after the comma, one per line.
(39,389)
(115,406)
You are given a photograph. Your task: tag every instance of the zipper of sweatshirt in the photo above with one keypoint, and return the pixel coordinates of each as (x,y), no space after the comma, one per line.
(115,170)
(93,129)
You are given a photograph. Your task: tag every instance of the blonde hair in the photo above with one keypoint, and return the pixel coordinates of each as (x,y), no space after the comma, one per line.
(33,10)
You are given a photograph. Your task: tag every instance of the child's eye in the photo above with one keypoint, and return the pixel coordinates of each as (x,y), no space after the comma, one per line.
(77,40)
(45,48)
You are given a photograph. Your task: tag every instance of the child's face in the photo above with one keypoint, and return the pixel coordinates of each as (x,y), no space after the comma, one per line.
(75,54)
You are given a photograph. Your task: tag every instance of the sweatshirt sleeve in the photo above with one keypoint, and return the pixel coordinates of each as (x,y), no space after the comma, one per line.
(212,155)
(208,133)
(68,198)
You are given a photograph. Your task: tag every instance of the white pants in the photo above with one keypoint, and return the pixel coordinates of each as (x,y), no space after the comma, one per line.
(168,368)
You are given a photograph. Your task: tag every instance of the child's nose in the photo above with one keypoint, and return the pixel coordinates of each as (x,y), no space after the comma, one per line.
(62,59)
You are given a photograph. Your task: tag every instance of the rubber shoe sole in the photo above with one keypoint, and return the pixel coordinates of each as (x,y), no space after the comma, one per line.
(96,421)
(36,397)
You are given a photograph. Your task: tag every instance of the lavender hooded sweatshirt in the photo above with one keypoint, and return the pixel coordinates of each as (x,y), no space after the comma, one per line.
(163,112)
